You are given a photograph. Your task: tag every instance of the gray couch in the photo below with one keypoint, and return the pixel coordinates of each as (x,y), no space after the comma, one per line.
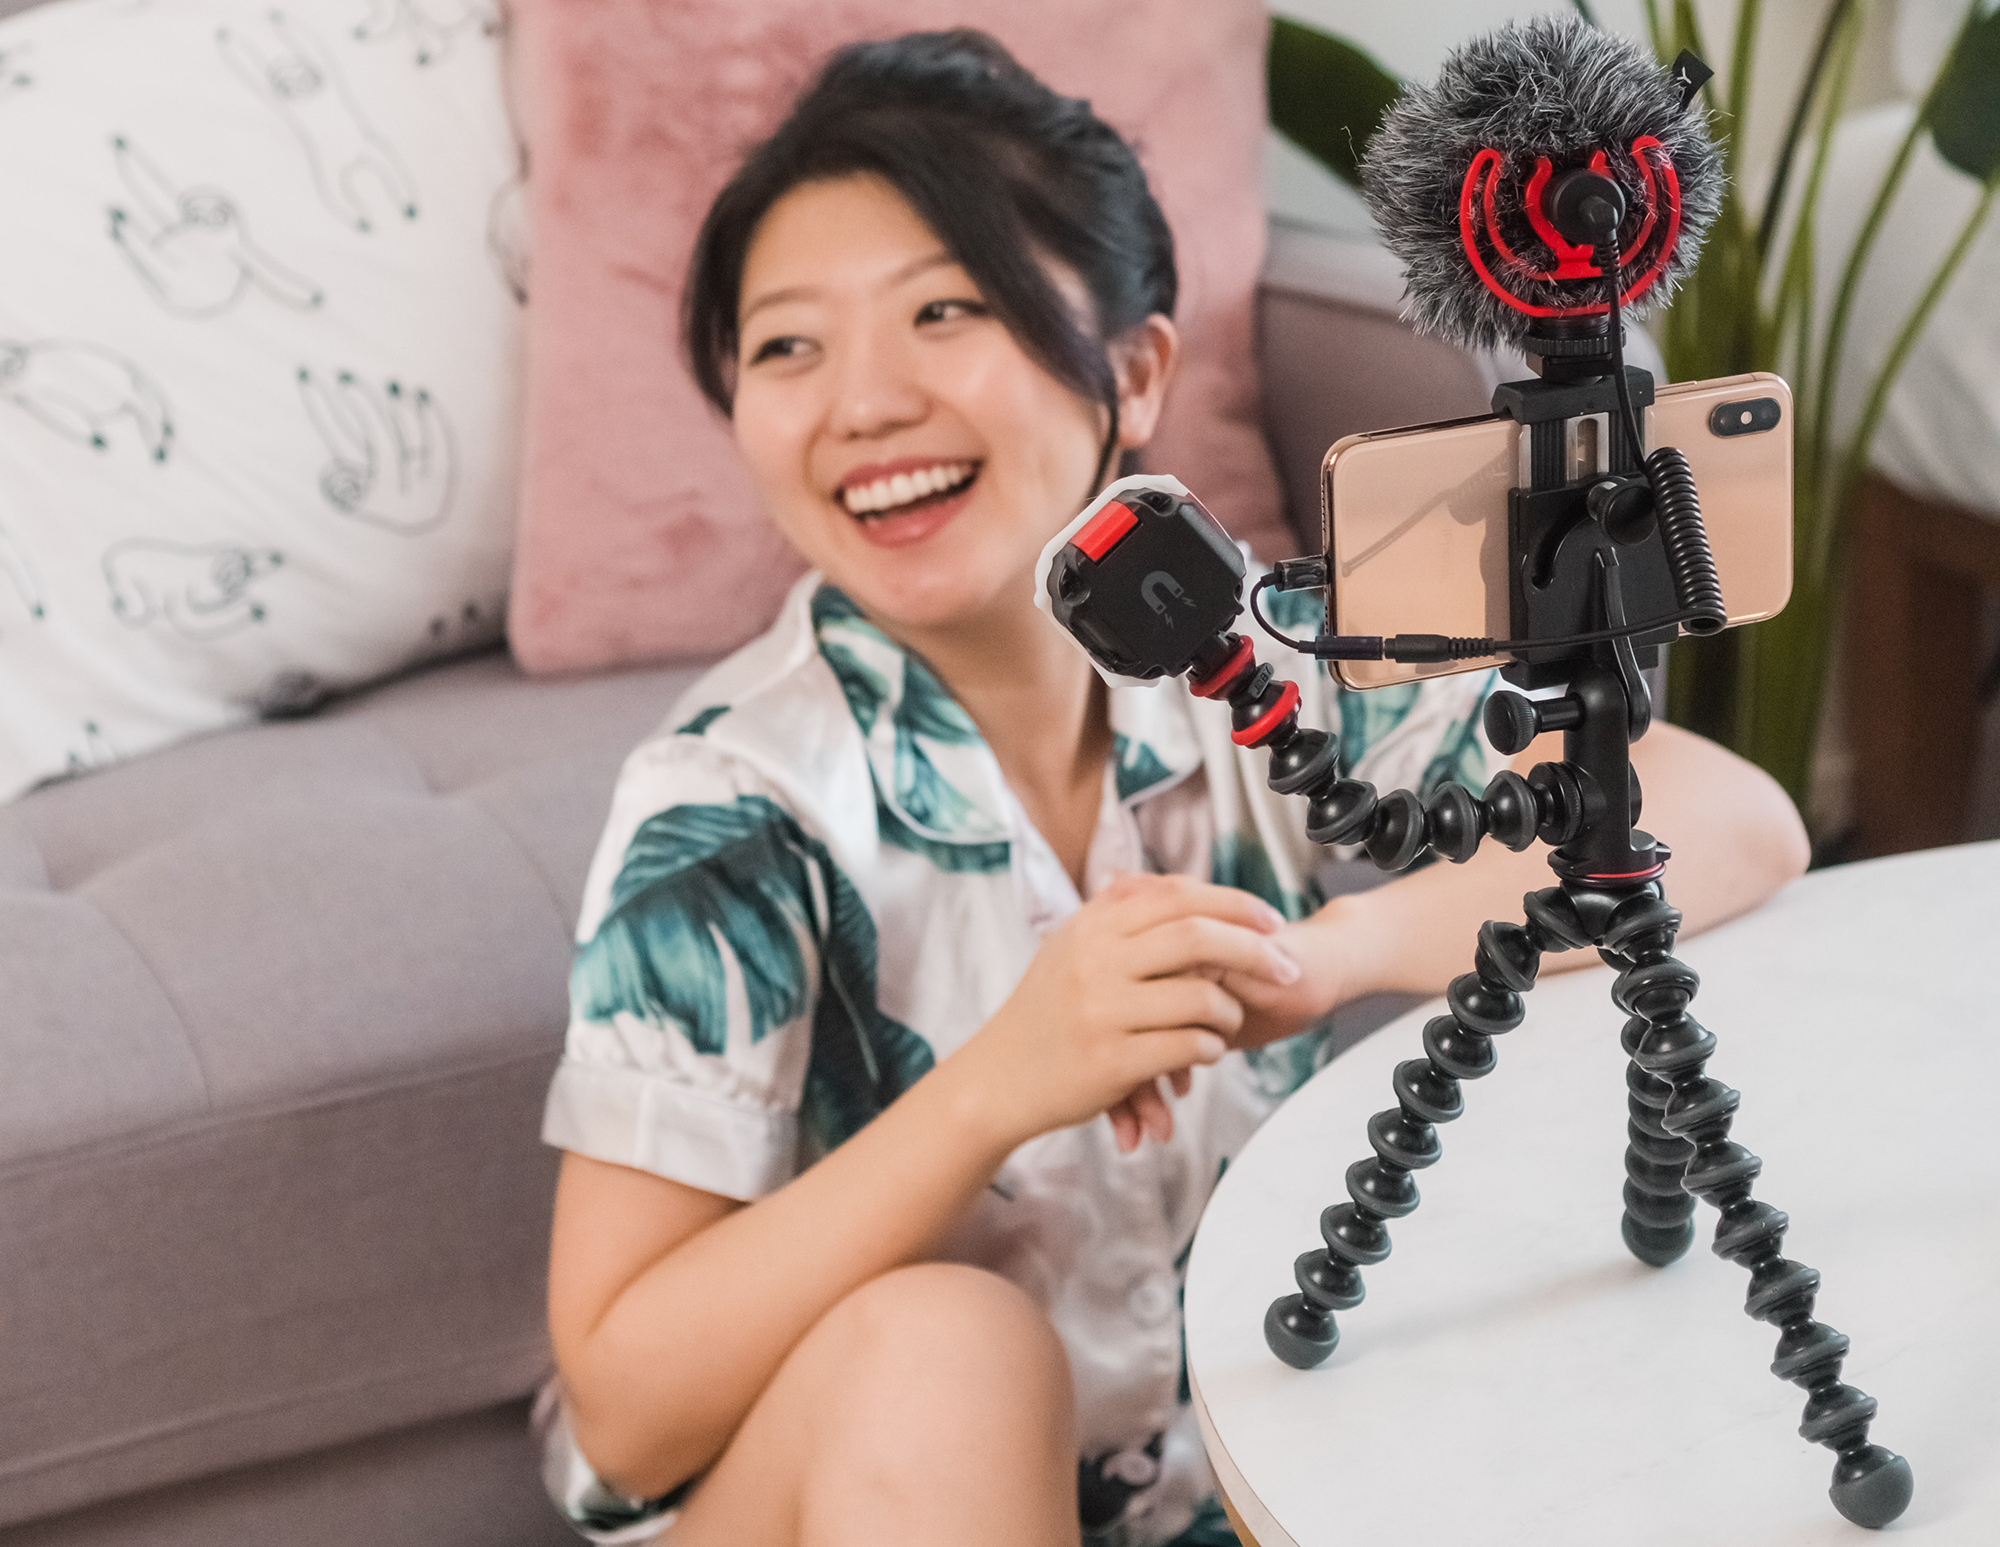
(277,1008)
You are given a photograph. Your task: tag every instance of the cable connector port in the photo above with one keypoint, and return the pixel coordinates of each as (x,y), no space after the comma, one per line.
(1416,648)
(1307,574)
(1434,647)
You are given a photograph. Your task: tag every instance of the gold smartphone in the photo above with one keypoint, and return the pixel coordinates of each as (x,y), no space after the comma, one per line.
(1414,521)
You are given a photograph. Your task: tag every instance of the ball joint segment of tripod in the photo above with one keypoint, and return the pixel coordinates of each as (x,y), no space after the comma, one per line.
(1398,828)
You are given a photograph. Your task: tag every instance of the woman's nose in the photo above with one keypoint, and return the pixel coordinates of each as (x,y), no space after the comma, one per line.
(876,389)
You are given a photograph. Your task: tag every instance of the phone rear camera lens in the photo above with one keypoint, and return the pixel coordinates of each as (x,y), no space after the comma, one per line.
(1750,417)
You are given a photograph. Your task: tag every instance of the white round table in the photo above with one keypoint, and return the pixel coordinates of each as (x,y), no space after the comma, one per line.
(1516,1377)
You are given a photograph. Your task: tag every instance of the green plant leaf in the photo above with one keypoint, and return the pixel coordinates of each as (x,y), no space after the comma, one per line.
(1327,96)
(1965,101)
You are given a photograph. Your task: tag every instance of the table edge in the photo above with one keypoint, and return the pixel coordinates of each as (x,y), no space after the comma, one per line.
(1247,1511)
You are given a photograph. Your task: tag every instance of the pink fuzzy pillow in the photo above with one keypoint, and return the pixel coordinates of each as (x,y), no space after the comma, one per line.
(639,538)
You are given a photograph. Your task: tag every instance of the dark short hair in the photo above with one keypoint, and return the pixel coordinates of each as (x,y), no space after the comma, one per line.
(1000,167)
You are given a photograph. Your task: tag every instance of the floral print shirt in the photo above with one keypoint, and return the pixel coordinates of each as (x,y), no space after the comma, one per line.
(814,884)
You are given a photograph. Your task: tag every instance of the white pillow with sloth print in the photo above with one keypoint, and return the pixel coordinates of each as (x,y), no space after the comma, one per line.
(258,360)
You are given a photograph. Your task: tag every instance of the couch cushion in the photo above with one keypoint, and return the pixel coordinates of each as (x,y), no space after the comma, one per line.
(281,1006)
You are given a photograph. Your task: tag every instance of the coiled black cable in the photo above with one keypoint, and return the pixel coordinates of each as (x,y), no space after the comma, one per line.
(1678,510)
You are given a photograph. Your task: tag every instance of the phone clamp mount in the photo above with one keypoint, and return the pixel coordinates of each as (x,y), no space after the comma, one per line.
(1150,584)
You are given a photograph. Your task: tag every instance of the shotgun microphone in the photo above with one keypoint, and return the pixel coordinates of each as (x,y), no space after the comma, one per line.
(1501,184)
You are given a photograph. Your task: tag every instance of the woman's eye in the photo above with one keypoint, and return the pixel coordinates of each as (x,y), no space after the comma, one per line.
(949,311)
(786,347)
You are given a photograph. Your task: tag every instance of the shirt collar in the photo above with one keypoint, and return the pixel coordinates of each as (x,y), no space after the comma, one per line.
(931,766)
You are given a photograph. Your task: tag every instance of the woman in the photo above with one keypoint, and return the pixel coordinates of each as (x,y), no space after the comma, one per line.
(899,925)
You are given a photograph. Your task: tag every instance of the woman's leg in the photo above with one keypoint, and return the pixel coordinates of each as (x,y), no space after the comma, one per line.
(932,1405)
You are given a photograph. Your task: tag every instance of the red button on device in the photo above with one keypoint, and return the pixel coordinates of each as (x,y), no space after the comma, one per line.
(1102,531)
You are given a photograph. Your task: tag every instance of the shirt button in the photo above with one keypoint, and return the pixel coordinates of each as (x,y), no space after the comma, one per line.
(1153,1301)
(1134,1468)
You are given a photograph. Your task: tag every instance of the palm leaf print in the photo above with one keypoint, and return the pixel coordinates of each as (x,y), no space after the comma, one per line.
(694,878)
(1135,766)
(1239,860)
(1365,718)
(701,722)
(1282,1067)
(860,684)
(699,879)
(959,858)
(865,689)
(924,714)
(830,604)
(861,1059)
(1293,611)
(1461,758)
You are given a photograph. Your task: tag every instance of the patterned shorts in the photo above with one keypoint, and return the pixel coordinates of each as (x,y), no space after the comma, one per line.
(600,1514)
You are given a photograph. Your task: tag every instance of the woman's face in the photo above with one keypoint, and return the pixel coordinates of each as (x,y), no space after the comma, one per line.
(897,433)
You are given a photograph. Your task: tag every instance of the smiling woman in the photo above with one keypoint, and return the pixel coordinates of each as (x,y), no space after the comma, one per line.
(901,931)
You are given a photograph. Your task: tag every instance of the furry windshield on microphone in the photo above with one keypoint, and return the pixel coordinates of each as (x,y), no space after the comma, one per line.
(1552,87)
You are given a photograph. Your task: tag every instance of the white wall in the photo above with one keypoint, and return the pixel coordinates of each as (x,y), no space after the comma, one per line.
(1412,39)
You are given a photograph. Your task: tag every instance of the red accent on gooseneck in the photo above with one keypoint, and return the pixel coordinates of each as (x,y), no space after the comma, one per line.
(1216,683)
(1266,722)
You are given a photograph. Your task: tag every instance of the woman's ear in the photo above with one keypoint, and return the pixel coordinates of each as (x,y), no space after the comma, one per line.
(1143,359)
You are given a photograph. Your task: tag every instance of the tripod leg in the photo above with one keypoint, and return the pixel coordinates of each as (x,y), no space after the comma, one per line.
(1484,1003)
(1871,1485)
(1659,1212)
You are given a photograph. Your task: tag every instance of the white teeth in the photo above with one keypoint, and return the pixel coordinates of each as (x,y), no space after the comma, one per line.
(902,488)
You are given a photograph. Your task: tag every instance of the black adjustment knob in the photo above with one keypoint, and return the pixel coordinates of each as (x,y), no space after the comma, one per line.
(1623,507)
(1512,721)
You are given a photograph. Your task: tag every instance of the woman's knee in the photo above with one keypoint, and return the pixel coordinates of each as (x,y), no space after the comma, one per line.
(931,1388)
(946,1322)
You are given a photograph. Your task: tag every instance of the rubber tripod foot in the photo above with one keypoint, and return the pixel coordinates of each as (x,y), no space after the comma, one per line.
(1656,1245)
(1299,1335)
(1871,1486)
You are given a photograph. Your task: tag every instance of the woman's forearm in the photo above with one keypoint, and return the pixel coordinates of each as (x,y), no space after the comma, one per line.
(1735,839)
(678,1357)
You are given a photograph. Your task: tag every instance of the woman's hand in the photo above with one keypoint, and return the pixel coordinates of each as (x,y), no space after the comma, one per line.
(1272,1011)
(1123,991)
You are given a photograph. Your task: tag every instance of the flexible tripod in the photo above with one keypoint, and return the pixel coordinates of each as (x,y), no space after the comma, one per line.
(1580,551)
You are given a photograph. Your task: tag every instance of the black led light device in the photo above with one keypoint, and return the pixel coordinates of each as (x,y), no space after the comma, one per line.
(1146,582)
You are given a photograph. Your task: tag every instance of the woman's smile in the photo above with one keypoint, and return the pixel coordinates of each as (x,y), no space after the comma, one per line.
(889,488)
(900,503)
